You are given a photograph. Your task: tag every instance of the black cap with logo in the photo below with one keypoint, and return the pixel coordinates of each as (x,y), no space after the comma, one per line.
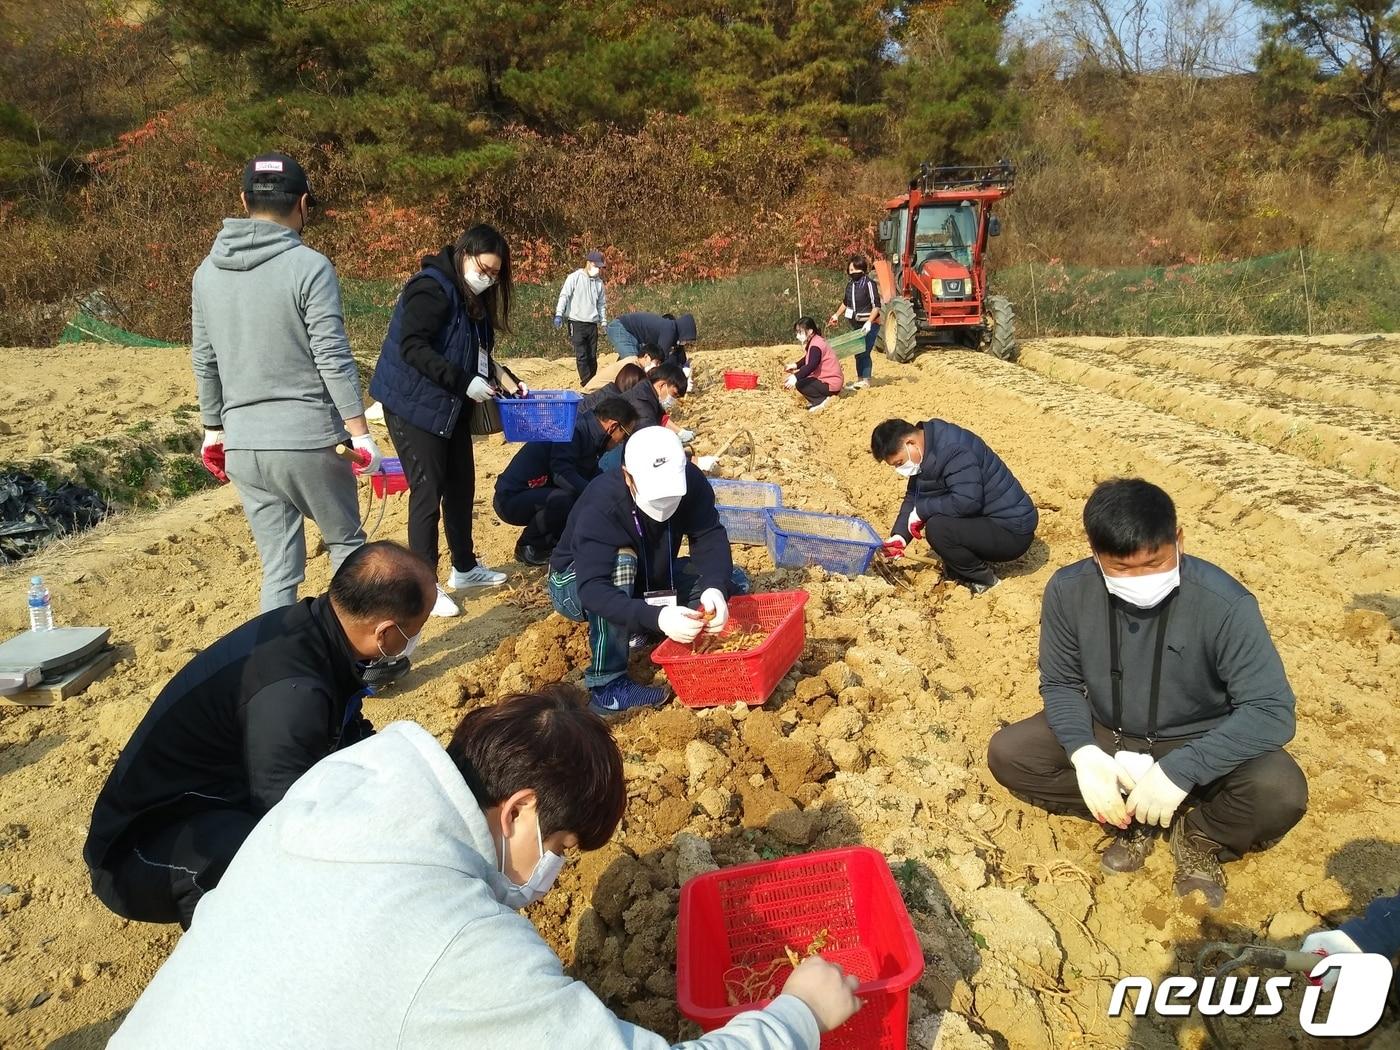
(276,173)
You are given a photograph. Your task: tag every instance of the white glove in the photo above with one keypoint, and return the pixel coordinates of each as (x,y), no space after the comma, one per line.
(365,443)
(865,328)
(1101,784)
(790,382)
(1155,798)
(212,438)
(680,624)
(706,463)
(479,390)
(686,436)
(713,601)
(1134,763)
(1329,942)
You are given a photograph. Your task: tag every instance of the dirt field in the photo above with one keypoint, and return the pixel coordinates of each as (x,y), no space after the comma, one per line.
(1284,459)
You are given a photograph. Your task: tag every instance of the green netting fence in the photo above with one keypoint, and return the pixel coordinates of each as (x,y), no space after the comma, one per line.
(83,327)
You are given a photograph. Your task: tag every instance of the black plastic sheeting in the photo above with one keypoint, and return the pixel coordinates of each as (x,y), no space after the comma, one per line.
(32,514)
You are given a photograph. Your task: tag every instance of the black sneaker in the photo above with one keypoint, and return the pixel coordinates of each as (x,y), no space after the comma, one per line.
(381,674)
(623,694)
(530,554)
(1129,849)
(1197,865)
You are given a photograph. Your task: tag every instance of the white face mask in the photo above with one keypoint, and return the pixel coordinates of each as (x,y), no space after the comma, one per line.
(668,402)
(591,270)
(477,282)
(1144,592)
(410,644)
(545,872)
(659,509)
(910,466)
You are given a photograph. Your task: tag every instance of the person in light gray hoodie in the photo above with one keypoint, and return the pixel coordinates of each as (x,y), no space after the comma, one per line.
(278,387)
(341,924)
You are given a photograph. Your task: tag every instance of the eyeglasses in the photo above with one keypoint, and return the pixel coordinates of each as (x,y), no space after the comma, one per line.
(485,271)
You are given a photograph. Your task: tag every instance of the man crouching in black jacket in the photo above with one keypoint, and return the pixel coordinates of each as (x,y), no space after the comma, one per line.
(238,725)
(616,565)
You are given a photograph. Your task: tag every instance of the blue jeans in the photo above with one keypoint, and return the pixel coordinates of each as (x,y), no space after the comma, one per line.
(609,644)
(622,339)
(863,366)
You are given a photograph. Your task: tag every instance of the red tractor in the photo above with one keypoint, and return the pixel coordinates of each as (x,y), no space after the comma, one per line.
(932,270)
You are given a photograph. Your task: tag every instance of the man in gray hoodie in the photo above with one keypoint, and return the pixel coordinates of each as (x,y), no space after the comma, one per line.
(376,905)
(278,387)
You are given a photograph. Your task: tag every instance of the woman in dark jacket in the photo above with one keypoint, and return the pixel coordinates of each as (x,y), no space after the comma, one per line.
(860,305)
(435,373)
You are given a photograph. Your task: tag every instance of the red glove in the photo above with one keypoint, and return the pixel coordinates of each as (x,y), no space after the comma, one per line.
(893,547)
(213,455)
(916,525)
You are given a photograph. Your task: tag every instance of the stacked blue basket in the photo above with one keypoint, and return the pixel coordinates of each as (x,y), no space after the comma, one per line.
(545,415)
(741,506)
(835,542)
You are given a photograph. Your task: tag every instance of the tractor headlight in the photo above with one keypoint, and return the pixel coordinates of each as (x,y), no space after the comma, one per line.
(936,286)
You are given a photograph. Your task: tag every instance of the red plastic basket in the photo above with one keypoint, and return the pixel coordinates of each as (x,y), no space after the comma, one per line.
(711,679)
(390,479)
(734,380)
(747,916)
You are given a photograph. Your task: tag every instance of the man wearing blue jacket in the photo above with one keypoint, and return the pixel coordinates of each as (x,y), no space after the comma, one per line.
(542,482)
(671,335)
(1377,932)
(617,565)
(1166,703)
(960,497)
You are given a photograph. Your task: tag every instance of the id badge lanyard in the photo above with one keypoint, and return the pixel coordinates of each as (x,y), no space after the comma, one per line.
(670,559)
(1115,672)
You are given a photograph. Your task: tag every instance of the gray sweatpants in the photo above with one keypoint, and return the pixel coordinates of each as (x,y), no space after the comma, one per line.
(280,490)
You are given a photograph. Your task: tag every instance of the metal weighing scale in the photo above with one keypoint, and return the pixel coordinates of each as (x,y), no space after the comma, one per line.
(39,668)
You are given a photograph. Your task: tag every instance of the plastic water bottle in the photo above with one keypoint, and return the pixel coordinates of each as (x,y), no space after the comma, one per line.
(40,605)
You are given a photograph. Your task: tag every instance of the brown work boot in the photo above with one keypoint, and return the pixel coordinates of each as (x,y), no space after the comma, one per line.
(1197,865)
(1129,849)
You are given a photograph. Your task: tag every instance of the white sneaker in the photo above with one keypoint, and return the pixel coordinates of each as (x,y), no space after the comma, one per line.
(375,412)
(481,576)
(819,405)
(445,606)
(860,384)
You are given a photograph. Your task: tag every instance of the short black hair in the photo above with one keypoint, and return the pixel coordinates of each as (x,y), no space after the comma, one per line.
(672,374)
(271,202)
(547,741)
(808,323)
(628,376)
(383,580)
(616,410)
(669,317)
(652,351)
(1126,515)
(886,438)
(858,262)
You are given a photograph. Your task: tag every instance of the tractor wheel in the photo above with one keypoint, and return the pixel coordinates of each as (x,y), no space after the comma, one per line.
(999,335)
(900,331)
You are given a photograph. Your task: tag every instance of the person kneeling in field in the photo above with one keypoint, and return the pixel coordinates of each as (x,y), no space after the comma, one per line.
(617,565)
(1160,683)
(342,925)
(234,729)
(960,496)
(817,375)
(544,480)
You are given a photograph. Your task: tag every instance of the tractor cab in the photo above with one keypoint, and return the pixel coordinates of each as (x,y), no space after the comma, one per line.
(933,240)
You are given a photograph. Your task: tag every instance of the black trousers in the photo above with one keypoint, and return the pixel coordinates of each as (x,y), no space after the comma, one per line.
(965,545)
(159,873)
(543,512)
(441,486)
(813,389)
(584,337)
(1254,804)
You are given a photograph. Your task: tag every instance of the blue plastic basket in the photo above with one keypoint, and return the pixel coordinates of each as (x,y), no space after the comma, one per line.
(741,505)
(546,415)
(835,542)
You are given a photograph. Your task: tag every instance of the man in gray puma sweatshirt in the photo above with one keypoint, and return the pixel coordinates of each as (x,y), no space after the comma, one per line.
(278,387)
